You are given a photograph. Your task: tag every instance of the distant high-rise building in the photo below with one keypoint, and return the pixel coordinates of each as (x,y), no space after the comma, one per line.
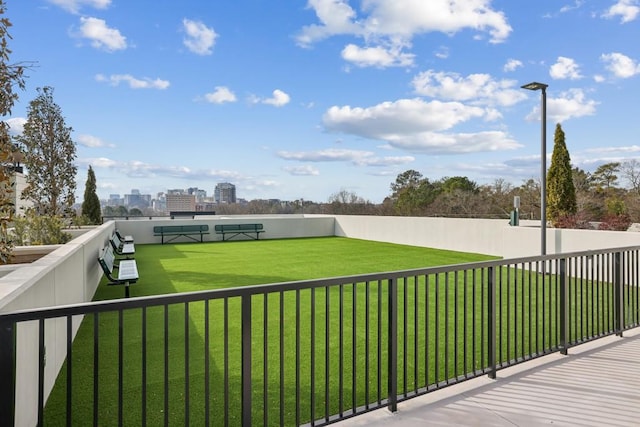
(114,200)
(137,200)
(225,193)
(176,191)
(180,202)
(200,194)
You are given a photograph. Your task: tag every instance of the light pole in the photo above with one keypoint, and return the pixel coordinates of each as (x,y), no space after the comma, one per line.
(543,162)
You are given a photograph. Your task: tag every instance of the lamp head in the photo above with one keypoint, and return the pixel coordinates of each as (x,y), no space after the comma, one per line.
(534,86)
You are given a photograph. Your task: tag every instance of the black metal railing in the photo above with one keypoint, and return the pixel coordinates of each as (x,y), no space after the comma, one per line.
(317,351)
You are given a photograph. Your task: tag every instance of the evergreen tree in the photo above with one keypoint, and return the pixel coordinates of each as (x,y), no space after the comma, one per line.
(49,156)
(11,75)
(91,203)
(561,193)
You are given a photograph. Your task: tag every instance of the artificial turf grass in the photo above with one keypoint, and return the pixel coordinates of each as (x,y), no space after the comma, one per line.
(172,268)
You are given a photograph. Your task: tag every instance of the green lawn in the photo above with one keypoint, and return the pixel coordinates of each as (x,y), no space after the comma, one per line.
(194,267)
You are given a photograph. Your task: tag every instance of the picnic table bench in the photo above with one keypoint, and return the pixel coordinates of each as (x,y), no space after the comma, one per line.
(176,231)
(127,269)
(121,248)
(239,229)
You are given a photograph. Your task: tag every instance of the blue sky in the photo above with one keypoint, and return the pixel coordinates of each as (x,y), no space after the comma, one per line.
(295,99)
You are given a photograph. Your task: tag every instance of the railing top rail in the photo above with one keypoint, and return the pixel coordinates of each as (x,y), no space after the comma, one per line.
(168,299)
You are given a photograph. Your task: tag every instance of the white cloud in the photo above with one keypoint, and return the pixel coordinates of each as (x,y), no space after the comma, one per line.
(336,17)
(356,157)
(389,26)
(476,88)
(99,162)
(398,117)
(627,10)
(512,65)
(454,143)
(417,126)
(570,104)
(101,36)
(133,82)
(278,99)
(620,65)
(329,155)
(376,56)
(200,39)
(221,95)
(391,19)
(91,141)
(442,52)
(16,125)
(565,68)
(306,170)
(74,6)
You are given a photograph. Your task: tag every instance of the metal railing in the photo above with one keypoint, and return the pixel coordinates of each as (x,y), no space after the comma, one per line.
(314,352)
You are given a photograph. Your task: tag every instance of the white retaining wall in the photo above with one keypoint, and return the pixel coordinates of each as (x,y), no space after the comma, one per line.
(68,275)
(487,236)
(275,226)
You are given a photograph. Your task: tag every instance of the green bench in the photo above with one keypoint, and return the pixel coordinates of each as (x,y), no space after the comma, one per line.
(122,248)
(127,269)
(239,229)
(175,231)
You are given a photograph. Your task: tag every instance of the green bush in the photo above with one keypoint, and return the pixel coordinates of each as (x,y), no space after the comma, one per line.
(33,229)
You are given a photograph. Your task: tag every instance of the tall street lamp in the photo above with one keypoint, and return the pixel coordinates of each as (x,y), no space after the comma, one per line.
(543,162)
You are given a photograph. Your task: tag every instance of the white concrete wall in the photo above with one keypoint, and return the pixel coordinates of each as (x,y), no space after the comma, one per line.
(487,236)
(68,275)
(275,226)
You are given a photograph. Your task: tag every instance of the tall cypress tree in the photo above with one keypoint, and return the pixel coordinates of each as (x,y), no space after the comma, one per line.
(561,193)
(91,203)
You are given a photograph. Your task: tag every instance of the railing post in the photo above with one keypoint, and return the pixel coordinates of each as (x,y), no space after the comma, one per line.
(246,360)
(564,307)
(392,350)
(491,328)
(619,293)
(7,372)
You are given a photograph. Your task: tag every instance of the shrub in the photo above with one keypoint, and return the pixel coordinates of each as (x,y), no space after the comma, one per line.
(579,220)
(615,222)
(33,229)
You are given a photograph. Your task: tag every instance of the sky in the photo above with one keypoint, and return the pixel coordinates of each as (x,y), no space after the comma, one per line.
(302,99)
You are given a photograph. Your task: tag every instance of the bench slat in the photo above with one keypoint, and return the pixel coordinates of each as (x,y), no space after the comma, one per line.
(239,229)
(180,230)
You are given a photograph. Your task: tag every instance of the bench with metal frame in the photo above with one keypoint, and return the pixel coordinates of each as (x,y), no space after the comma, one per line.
(239,229)
(127,269)
(175,231)
(121,248)
(124,239)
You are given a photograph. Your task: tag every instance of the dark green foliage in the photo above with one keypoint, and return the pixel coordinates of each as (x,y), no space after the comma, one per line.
(459,183)
(33,229)
(605,178)
(561,193)
(91,203)
(10,76)
(49,156)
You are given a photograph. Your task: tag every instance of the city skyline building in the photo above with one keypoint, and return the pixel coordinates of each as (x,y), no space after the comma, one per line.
(225,192)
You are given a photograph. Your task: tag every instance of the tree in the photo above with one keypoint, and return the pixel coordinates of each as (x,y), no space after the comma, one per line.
(631,171)
(561,194)
(11,75)
(91,203)
(605,178)
(462,183)
(49,156)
